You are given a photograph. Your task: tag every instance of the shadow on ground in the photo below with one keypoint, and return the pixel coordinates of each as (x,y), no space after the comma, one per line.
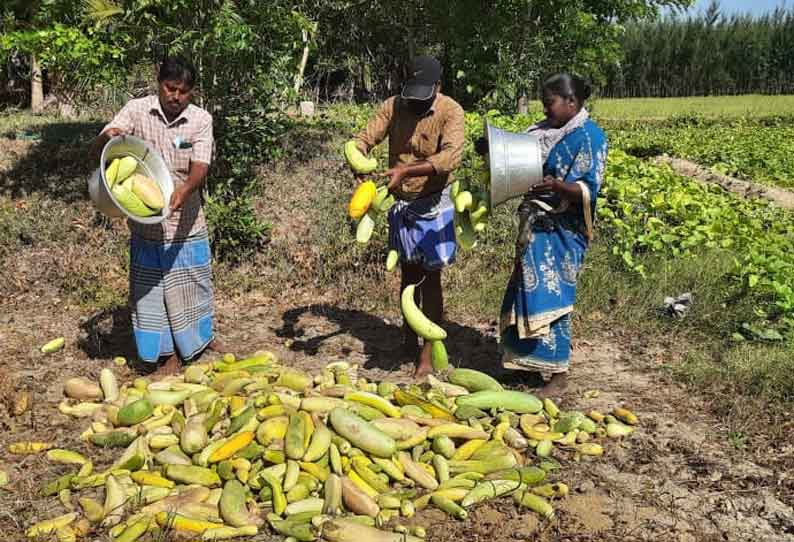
(108,333)
(467,346)
(56,163)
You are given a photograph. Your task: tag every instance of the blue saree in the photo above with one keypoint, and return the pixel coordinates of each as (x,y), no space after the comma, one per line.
(553,238)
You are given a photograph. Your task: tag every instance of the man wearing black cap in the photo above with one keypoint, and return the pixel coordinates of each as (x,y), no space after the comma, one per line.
(426,133)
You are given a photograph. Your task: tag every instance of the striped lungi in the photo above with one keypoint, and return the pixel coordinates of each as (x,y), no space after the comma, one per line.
(171,296)
(423,230)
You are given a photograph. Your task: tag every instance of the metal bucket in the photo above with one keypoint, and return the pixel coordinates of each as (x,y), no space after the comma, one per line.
(150,163)
(515,163)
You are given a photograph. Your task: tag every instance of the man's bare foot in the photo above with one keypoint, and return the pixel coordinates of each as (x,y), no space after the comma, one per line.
(555,387)
(425,366)
(171,367)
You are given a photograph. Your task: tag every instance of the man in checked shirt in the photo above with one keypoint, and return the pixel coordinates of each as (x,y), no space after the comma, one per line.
(426,133)
(171,294)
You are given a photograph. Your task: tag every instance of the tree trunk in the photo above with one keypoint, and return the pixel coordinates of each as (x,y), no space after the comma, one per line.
(523,105)
(36,85)
(304,60)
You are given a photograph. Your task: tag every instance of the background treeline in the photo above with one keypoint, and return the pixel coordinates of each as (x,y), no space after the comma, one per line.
(706,54)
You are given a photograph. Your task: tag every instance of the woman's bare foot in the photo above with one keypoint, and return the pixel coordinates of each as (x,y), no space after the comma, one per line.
(171,366)
(555,387)
(425,365)
(217,346)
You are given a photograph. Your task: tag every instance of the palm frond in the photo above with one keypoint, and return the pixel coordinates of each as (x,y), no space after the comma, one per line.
(101,10)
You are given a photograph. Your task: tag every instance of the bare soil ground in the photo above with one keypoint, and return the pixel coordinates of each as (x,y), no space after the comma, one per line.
(779,196)
(677,479)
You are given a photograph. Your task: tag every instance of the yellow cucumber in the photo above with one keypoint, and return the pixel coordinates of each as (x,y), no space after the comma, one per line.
(397,428)
(364,229)
(182,523)
(356,500)
(464,201)
(53,346)
(391,260)
(357,161)
(272,429)
(191,474)
(439,356)
(82,389)
(320,443)
(278,498)
(291,475)
(335,459)
(112,171)
(441,468)
(134,531)
(375,401)
(625,415)
(309,505)
(361,434)
(489,489)
(415,440)
(464,231)
(349,530)
(145,478)
(466,450)
(416,320)
(232,505)
(551,409)
(272,411)
(514,401)
(135,412)
(66,457)
(26,448)
(456,430)
(536,503)
(332,492)
(590,448)
(362,199)
(127,166)
(543,449)
(319,472)
(308,428)
(617,430)
(294,438)
(392,468)
(417,473)
(115,501)
(320,404)
(50,525)
(92,510)
(361,467)
(552,491)
(231,446)
(474,380)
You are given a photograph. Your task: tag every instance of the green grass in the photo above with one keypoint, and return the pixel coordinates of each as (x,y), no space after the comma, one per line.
(15,123)
(763,371)
(752,105)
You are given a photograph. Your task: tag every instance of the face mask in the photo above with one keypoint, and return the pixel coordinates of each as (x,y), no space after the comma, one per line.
(418,107)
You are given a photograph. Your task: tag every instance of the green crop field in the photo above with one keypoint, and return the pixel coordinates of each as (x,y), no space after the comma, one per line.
(755,105)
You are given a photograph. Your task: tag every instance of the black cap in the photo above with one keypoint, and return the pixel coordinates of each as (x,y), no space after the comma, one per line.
(423,74)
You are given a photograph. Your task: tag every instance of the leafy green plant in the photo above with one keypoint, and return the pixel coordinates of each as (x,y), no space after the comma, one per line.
(748,148)
(650,209)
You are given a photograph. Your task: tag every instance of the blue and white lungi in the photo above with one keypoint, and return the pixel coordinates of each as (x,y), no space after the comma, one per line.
(171,296)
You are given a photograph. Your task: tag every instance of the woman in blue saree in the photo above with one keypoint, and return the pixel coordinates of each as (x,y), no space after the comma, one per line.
(555,229)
